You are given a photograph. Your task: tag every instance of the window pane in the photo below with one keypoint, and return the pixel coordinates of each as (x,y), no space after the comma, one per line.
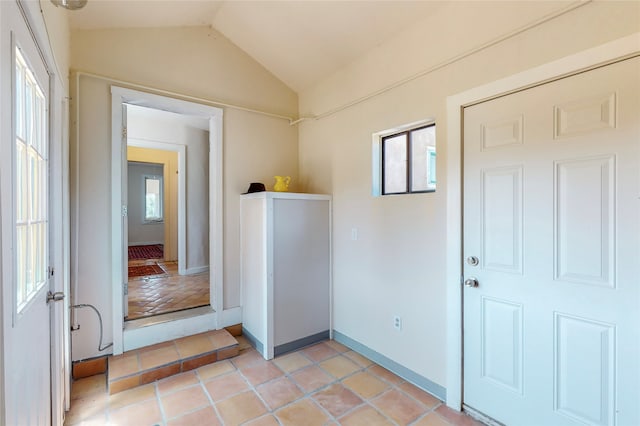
(33,184)
(21,263)
(19,101)
(37,124)
(21,182)
(29,113)
(32,258)
(41,255)
(43,201)
(395,164)
(153,199)
(423,150)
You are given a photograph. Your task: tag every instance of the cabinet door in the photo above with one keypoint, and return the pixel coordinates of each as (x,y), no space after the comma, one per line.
(301,268)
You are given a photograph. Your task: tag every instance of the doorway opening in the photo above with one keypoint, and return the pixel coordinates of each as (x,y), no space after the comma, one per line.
(162,277)
(167,180)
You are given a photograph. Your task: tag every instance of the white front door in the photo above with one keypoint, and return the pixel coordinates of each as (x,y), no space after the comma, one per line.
(552,239)
(25,225)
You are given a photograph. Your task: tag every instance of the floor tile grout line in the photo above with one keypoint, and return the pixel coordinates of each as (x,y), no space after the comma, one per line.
(159,402)
(213,404)
(288,375)
(430,411)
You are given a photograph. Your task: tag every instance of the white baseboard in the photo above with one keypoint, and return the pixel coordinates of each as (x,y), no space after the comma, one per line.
(191,271)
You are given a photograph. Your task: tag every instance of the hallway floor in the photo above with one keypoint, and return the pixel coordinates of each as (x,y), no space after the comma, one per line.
(323,384)
(169,292)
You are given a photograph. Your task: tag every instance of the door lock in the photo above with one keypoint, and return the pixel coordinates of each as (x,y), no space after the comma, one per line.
(55,297)
(473,261)
(471,282)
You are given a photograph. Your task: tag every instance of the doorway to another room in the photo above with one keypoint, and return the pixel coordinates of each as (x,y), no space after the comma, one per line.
(194,132)
(156,284)
(167,270)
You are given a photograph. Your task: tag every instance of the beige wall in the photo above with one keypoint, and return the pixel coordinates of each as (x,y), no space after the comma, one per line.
(57,29)
(397,265)
(191,61)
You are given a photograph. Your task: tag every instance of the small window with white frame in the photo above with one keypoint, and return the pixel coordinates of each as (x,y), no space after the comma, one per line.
(404,159)
(153,199)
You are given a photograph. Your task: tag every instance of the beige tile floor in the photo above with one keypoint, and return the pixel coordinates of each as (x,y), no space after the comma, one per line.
(324,384)
(161,294)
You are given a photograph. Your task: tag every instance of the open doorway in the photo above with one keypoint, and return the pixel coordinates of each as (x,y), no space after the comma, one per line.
(163,275)
(194,132)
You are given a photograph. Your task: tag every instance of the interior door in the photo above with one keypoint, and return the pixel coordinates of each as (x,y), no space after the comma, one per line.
(552,250)
(25,224)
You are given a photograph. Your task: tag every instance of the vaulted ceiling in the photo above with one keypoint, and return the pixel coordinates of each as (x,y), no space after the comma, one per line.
(300,41)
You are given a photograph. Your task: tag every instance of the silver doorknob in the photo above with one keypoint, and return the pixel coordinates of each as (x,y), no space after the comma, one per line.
(55,297)
(471,282)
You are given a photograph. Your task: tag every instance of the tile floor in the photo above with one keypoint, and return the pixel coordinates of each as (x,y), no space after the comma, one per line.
(146,365)
(170,292)
(324,384)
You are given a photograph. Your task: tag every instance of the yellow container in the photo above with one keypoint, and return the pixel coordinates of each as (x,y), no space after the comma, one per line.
(282,183)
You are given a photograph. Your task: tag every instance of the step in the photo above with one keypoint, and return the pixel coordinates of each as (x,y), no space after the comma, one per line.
(146,365)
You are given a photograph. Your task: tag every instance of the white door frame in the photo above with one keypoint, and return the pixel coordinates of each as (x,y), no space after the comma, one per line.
(182,205)
(588,59)
(121,96)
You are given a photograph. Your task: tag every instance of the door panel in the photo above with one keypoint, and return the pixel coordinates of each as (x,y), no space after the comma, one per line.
(584,248)
(584,369)
(25,224)
(551,186)
(502,219)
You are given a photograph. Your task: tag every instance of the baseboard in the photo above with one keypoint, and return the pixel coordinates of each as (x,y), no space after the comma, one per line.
(300,343)
(423,383)
(257,344)
(152,243)
(191,271)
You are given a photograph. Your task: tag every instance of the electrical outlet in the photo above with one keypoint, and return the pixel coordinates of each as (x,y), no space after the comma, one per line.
(397,323)
(354,234)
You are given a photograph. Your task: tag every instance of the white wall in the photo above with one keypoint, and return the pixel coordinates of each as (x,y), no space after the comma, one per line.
(193,61)
(397,265)
(140,231)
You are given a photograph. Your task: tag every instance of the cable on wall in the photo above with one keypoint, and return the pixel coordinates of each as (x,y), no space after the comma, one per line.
(86,305)
(210,102)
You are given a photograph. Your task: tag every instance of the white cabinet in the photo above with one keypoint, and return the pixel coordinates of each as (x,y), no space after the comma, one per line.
(285,266)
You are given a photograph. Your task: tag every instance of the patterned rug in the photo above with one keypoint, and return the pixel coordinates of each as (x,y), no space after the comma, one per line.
(153,251)
(145,270)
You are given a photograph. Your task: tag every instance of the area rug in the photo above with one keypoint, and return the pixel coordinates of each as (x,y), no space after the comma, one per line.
(145,270)
(153,251)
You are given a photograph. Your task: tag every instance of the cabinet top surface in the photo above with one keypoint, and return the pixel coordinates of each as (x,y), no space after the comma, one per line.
(286,195)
